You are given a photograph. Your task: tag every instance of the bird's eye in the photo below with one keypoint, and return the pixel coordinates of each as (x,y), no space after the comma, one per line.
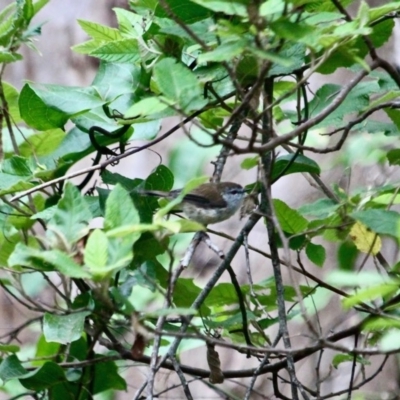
(236,191)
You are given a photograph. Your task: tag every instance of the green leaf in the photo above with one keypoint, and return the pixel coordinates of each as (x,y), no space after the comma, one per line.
(161,179)
(222,294)
(87,47)
(113,80)
(186,10)
(356,100)
(146,107)
(11,368)
(42,143)
(98,31)
(393,156)
(380,323)
(316,253)
(64,329)
(12,95)
(290,220)
(359,279)
(9,348)
(347,255)
(45,350)
(300,164)
(96,250)
(107,377)
(321,208)
(178,84)
(370,294)
(62,263)
(49,375)
(45,261)
(120,210)
(341,358)
(224,52)
(71,218)
(15,175)
(46,107)
(119,51)
(385,222)
(249,163)
(233,7)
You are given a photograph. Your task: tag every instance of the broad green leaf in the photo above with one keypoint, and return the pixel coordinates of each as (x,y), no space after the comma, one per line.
(42,143)
(87,47)
(227,7)
(38,5)
(12,95)
(296,31)
(16,174)
(203,29)
(108,377)
(357,100)
(365,240)
(47,376)
(11,368)
(178,84)
(63,263)
(96,250)
(370,294)
(132,24)
(16,165)
(146,107)
(380,323)
(272,7)
(372,126)
(378,12)
(71,218)
(222,294)
(64,329)
(186,10)
(383,222)
(291,57)
(290,220)
(98,31)
(393,156)
(321,208)
(45,350)
(347,255)
(120,210)
(45,261)
(341,358)
(185,294)
(160,179)
(359,279)
(251,162)
(386,199)
(46,107)
(9,348)
(300,164)
(316,253)
(113,80)
(224,52)
(119,51)
(394,115)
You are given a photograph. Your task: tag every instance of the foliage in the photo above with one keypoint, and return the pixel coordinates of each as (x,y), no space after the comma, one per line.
(217,66)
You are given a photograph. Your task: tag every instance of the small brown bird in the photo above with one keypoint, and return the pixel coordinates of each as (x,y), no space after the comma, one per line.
(209,203)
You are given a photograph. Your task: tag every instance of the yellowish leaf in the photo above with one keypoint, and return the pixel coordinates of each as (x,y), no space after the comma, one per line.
(365,240)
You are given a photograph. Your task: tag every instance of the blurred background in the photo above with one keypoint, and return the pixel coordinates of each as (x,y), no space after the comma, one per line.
(54,62)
